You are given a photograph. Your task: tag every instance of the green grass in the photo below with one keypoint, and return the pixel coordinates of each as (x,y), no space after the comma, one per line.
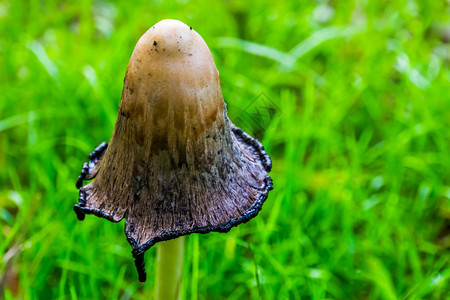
(360,146)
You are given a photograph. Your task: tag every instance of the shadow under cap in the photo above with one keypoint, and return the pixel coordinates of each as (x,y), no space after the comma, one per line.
(175,164)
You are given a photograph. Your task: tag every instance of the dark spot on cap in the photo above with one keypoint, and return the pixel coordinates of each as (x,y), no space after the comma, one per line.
(154,43)
(190,28)
(124,114)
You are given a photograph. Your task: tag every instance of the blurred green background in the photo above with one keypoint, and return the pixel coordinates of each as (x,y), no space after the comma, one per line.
(357,125)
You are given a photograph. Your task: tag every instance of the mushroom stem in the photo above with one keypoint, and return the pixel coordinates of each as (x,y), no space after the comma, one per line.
(169,262)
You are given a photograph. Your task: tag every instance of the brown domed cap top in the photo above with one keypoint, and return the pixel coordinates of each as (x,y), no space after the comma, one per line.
(175,164)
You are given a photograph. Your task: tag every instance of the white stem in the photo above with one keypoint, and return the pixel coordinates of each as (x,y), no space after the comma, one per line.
(169,261)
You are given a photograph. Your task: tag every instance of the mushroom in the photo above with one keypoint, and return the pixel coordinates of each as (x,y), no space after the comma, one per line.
(175,164)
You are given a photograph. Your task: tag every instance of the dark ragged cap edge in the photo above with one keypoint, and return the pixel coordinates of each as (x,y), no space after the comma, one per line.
(139,250)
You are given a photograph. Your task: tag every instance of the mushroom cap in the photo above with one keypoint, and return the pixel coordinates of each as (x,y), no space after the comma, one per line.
(171,81)
(175,164)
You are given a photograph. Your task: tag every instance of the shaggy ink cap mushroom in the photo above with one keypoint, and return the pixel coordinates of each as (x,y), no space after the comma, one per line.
(175,164)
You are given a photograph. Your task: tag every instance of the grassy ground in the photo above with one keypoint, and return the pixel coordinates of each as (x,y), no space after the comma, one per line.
(358,133)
